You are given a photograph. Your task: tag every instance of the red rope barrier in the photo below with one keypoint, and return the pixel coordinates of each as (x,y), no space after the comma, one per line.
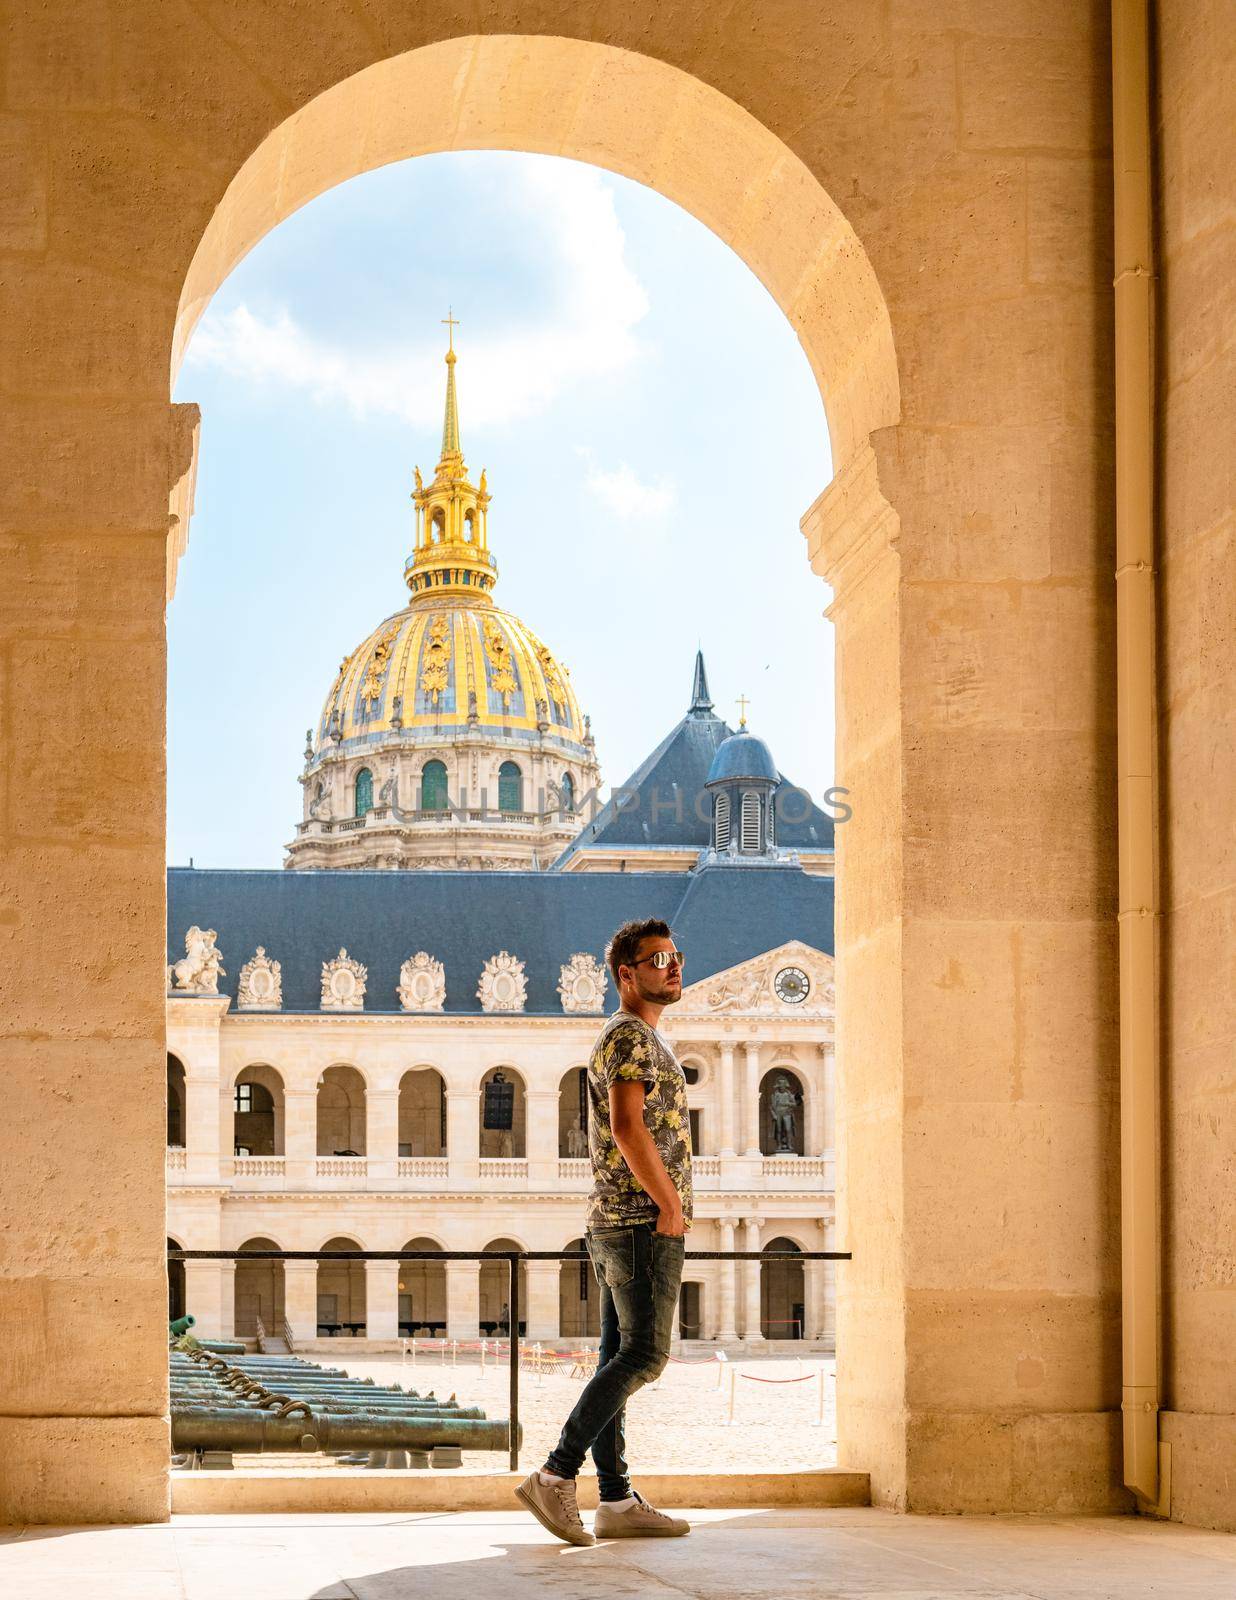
(806,1378)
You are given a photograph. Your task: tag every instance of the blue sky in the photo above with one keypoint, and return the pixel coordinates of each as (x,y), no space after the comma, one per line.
(651,430)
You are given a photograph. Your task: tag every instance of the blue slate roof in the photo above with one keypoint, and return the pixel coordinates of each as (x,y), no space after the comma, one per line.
(665,803)
(721,915)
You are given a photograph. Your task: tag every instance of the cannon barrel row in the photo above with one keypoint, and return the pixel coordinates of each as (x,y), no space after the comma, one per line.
(282,1402)
(233,1428)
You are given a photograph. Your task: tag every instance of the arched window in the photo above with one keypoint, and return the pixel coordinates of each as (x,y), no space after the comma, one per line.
(438,530)
(750,842)
(722,819)
(364,791)
(469,526)
(433,786)
(568,793)
(510,787)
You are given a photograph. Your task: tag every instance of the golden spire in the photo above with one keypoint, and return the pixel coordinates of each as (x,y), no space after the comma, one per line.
(450,419)
(452,516)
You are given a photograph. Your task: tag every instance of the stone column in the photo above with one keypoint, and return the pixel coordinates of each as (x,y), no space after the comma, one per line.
(726,1284)
(751,1285)
(203,1122)
(382,1299)
(300,1134)
(542,1310)
(463,1136)
(541,1122)
(828,1051)
(300,1299)
(725,1098)
(204,1296)
(751,1098)
(828,1277)
(463,1298)
(382,1140)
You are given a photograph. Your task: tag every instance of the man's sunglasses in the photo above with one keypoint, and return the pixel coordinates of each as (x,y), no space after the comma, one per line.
(661,959)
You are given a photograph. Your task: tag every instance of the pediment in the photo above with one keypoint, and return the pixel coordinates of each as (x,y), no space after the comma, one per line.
(750,987)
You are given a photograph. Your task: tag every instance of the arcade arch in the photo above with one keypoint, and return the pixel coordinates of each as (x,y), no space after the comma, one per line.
(175,1283)
(783,1293)
(341,1112)
(422,1113)
(579,1298)
(258,1291)
(341,1291)
(495,1290)
(257,1111)
(422,1293)
(502,1141)
(175,1101)
(573,1114)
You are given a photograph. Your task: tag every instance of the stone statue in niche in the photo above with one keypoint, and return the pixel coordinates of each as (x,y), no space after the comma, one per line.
(783,1108)
(201,967)
(577,1142)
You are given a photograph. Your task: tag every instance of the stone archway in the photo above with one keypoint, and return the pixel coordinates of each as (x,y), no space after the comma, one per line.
(973,627)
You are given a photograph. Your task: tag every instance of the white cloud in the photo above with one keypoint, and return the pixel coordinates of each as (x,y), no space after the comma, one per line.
(589,335)
(624,494)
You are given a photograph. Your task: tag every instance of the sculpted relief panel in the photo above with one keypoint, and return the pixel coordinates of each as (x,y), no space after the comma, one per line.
(503,986)
(261,984)
(581,985)
(422,983)
(343,984)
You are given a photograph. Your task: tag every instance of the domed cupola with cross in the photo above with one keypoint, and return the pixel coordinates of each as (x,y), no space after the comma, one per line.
(451,737)
(743,781)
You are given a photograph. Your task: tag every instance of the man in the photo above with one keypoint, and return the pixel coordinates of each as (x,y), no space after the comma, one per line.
(639,1140)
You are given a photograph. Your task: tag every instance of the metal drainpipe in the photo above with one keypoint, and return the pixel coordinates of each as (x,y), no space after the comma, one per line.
(1136,745)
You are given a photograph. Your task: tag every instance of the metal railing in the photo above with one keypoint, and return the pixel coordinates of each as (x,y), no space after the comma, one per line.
(513,1258)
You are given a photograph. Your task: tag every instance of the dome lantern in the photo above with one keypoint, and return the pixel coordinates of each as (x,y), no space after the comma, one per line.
(451,554)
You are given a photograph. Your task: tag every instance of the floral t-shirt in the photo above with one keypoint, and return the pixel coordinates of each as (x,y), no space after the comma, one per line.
(628,1048)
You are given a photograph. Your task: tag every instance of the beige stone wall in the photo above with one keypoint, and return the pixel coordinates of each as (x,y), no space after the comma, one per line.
(924,189)
(1197,731)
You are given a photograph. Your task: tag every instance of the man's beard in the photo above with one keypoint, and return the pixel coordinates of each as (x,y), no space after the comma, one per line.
(658,997)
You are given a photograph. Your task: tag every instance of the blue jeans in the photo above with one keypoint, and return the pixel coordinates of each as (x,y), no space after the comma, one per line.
(639,1271)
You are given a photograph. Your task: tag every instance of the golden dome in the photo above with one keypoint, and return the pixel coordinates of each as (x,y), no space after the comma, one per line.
(449,662)
(451,659)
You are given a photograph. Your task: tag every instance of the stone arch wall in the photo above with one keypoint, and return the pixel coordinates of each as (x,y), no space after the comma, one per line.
(973,624)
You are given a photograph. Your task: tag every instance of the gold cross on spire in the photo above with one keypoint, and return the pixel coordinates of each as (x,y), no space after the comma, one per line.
(450,322)
(742,703)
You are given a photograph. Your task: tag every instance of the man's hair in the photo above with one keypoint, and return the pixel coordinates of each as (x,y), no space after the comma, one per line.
(624,946)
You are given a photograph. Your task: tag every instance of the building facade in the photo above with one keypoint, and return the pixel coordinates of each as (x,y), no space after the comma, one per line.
(342,1130)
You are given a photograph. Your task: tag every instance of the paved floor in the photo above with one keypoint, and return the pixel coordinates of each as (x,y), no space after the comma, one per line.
(744,1555)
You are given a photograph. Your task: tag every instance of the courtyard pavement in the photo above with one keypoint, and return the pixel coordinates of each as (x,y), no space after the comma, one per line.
(742,1555)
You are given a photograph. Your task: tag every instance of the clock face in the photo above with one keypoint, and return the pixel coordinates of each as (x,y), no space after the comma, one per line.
(792,985)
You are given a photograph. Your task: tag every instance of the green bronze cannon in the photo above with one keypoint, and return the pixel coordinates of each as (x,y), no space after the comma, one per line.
(302,1427)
